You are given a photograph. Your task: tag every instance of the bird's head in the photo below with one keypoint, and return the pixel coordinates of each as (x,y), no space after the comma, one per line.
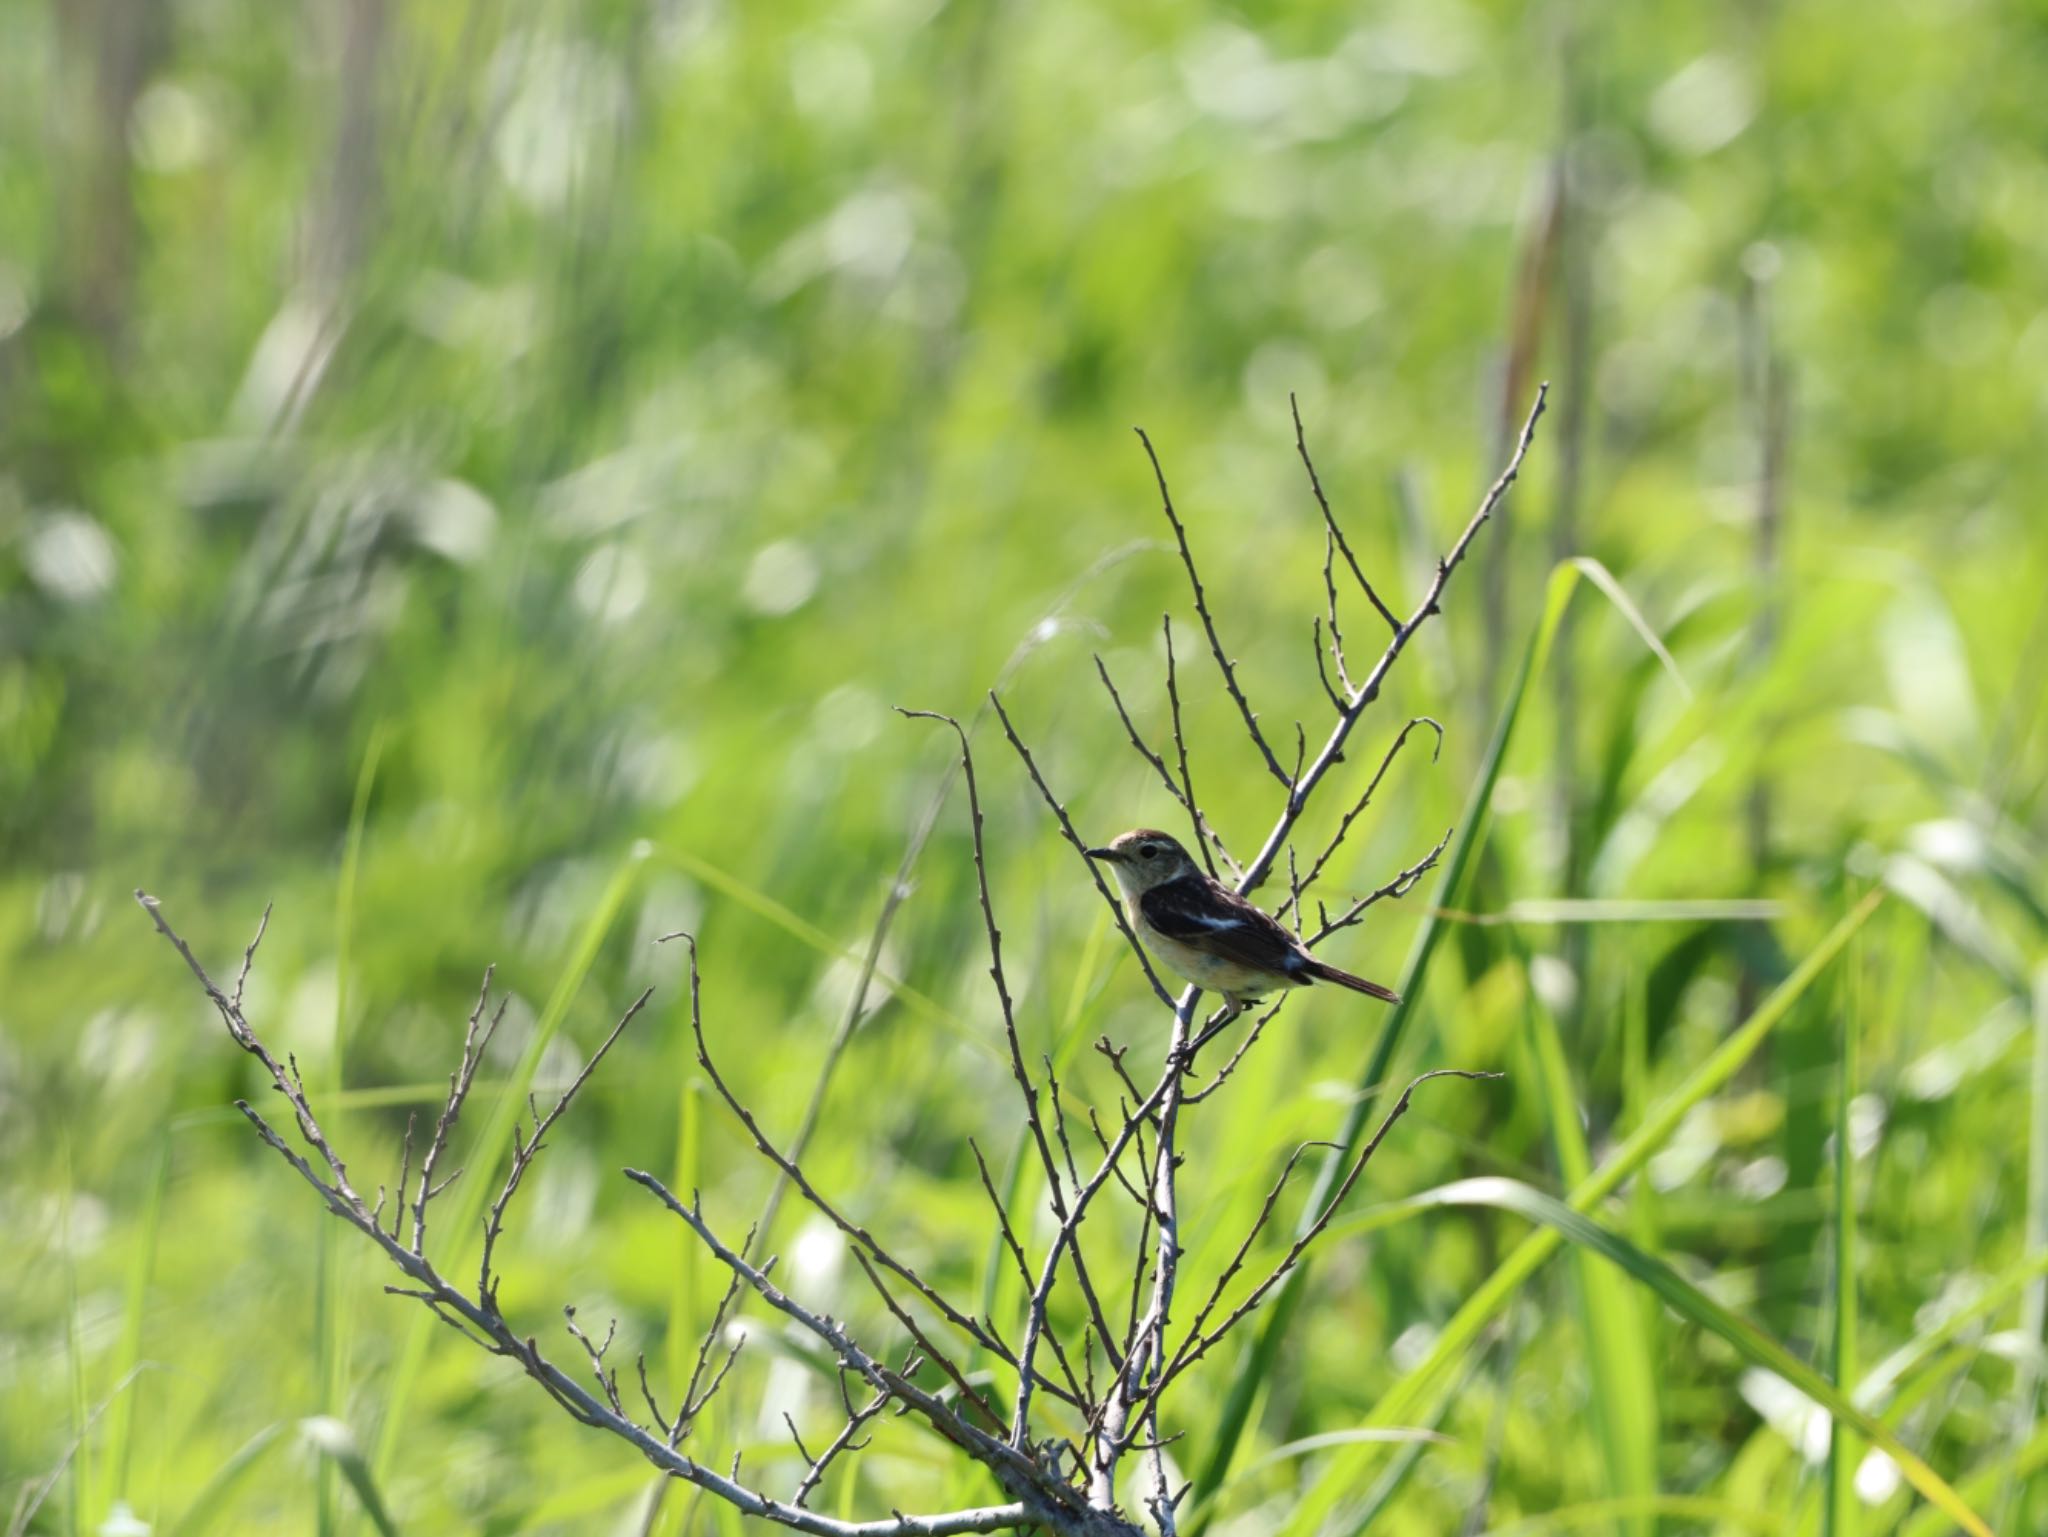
(1143,858)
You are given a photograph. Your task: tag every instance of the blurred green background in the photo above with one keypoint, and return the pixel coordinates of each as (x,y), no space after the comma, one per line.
(478,475)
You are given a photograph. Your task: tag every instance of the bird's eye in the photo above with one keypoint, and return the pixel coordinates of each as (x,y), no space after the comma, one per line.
(1148,851)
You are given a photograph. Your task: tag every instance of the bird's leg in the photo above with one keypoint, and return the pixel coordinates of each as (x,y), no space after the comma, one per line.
(1225,1018)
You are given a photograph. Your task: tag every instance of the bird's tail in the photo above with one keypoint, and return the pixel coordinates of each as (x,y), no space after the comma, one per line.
(1326,973)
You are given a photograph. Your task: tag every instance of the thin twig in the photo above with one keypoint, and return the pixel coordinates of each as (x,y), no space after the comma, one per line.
(844,1441)
(1075,841)
(1250,1039)
(945,1362)
(1223,662)
(1197,1344)
(1336,537)
(1363,801)
(524,1153)
(964,1322)
(1207,840)
(1332,752)
(1034,1498)
(1055,1188)
(1398,887)
(475,1039)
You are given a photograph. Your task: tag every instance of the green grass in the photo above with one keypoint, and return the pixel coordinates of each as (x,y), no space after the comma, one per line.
(464,1212)
(699,382)
(1842,1453)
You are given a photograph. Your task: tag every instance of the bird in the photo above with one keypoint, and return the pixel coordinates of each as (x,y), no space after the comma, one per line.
(1206,932)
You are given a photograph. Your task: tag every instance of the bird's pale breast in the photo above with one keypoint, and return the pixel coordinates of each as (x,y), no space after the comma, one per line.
(1215,972)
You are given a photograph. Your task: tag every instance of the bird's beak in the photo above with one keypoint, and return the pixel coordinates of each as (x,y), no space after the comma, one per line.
(1108,854)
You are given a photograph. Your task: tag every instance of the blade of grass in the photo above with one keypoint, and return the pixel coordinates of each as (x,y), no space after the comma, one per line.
(1892,1373)
(1409,1458)
(764,906)
(336,1444)
(1635,1103)
(1610,585)
(331,1313)
(1397,1404)
(74,1353)
(684,1298)
(1841,1504)
(32,1494)
(464,1226)
(1591,910)
(1256,1361)
(1684,1507)
(1982,1485)
(327,1330)
(217,1494)
(118,1452)
(585,1497)
(2021,1496)
(1329,1438)
(1694,1305)
(1624,1398)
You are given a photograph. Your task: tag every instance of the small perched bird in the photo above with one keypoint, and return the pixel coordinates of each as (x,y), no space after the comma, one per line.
(1208,933)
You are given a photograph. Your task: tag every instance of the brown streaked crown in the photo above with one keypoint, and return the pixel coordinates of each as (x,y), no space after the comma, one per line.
(1144,856)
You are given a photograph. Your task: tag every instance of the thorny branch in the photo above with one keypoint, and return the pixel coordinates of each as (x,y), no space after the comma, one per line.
(1055,1456)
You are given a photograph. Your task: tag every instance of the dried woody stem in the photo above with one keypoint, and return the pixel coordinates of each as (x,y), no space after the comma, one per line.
(1134,1394)
(1033,1497)
(1064,1482)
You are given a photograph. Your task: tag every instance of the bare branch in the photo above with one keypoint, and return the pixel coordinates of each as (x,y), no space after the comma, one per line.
(1207,840)
(1335,538)
(1019,1474)
(1036,1498)
(1197,1344)
(476,1038)
(946,1363)
(341,1195)
(1180,748)
(1330,609)
(1398,887)
(1002,1216)
(607,1379)
(1369,689)
(697,1393)
(1223,662)
(1337,701)
(1025,1087)
(844,1441)
(249,956)
(404,1172)
(1358,806)
(1074,839)
(523,1153)
(1244,1248)
(962,1321)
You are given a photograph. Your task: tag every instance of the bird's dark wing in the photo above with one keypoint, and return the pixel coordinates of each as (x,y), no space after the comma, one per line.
(1206,916)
